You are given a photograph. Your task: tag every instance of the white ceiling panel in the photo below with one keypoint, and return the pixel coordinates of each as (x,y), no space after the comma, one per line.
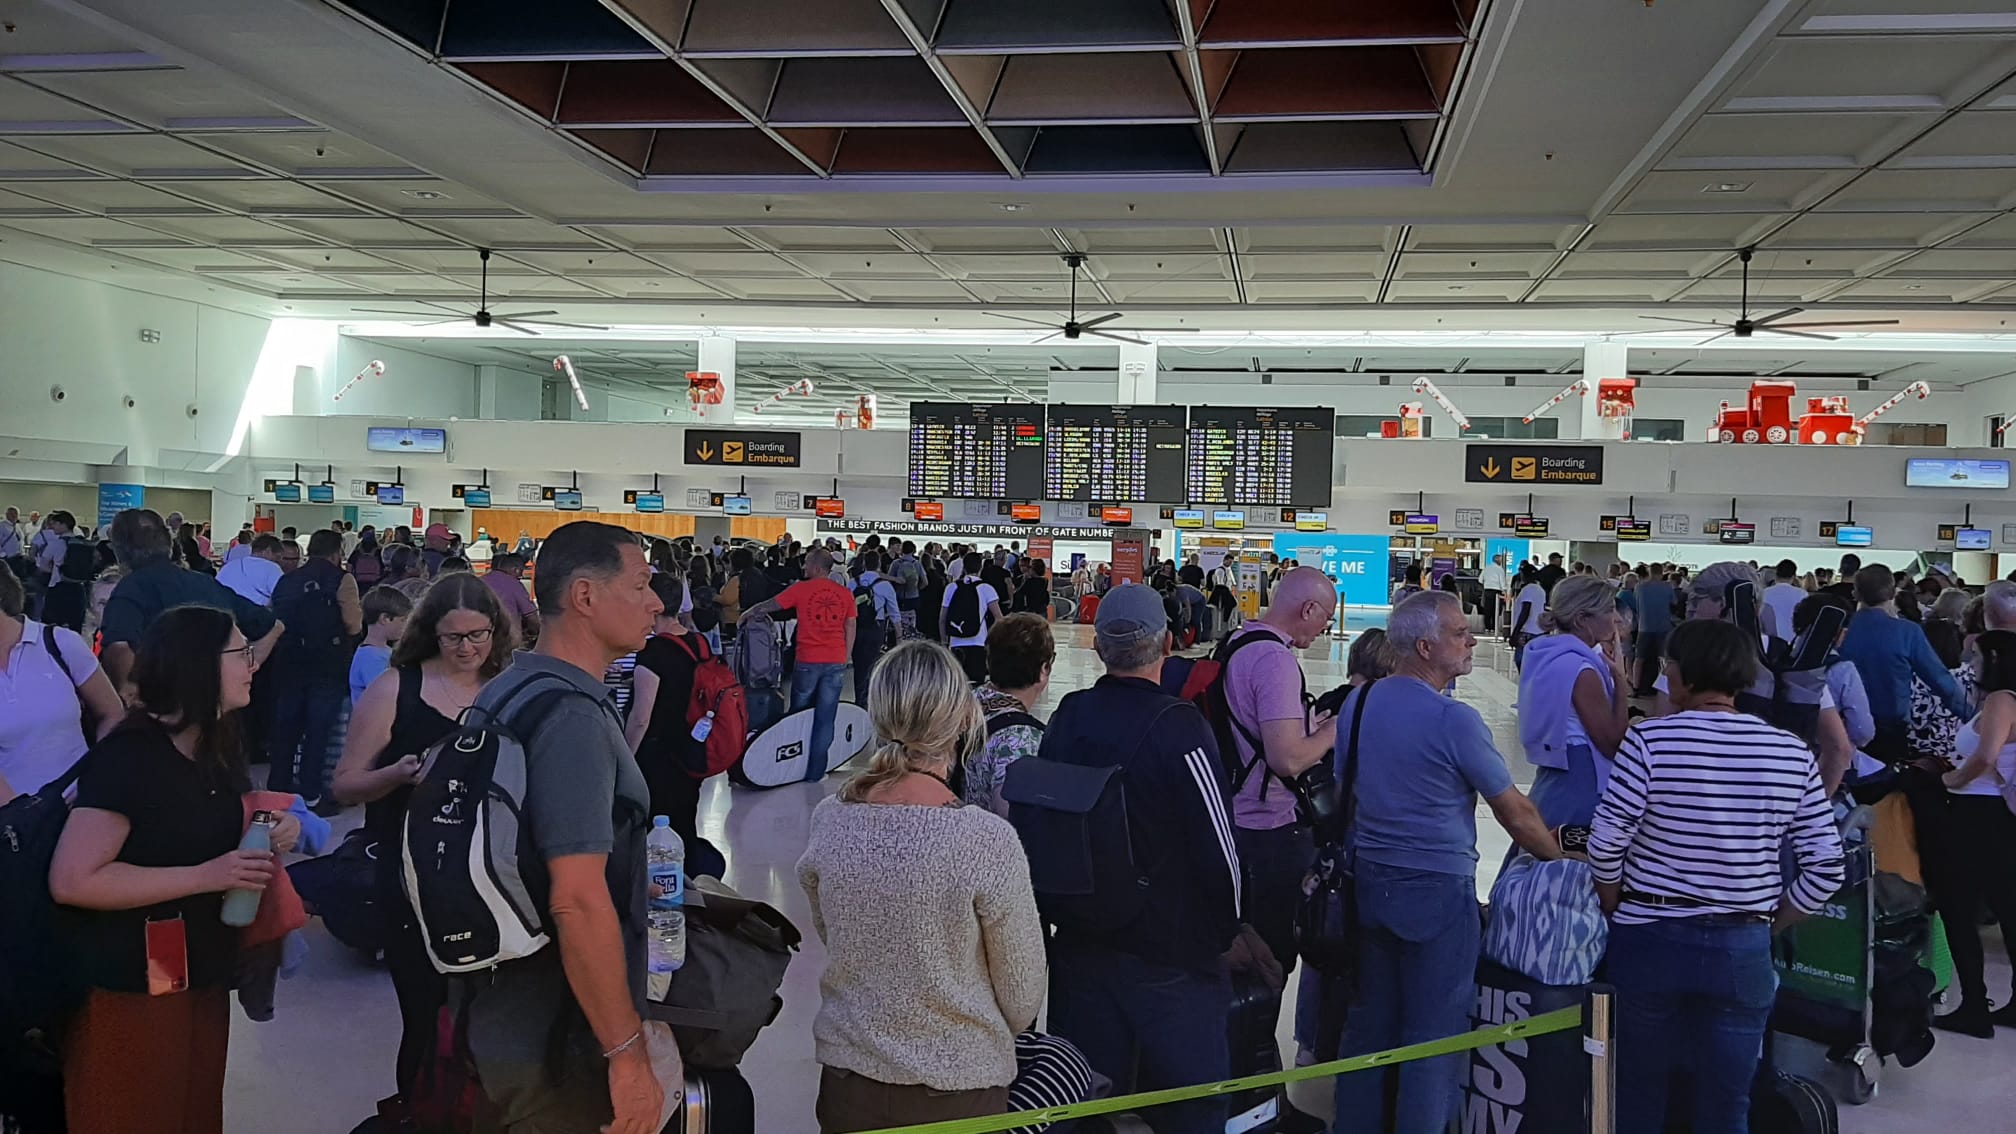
(126,154)
(983,239)
(1285,266)
(866,265)
(1664,231)
(1703,191)
(101,196)
(1976,138)
(1468,265)
(1934,70)
(1794,140)
(1948,190)
(813,238)
(306,153)
(1333,291)
(1588,290)
(1960,262)
(1870,230)
(1916,289)
(229,230)
(90,231)
(1317,238)
(1998,232)
(1481,291)
(159,98)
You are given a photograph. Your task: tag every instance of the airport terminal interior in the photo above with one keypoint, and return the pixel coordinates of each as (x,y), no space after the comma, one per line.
(1423,295)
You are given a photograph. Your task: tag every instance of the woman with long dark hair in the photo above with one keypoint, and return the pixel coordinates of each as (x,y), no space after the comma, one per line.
(190,553)
(1977,863)
(457,639)
(144,863)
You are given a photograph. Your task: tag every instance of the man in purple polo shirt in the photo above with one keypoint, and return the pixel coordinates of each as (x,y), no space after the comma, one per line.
(505,577)
(1277,739)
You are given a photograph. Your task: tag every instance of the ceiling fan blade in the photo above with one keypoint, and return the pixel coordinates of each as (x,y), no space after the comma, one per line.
(511,326)
(1162,330)
(1839,323)
(1048,337)
(1117,338)
(1017,318)
(403,314)
(1671,319)
(527,314)
(1712,338)
(1777,315)
(1797,334)
(552,323)
(1694,330)
(1098,319)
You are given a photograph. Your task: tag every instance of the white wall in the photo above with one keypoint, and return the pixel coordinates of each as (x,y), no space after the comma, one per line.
(415,384)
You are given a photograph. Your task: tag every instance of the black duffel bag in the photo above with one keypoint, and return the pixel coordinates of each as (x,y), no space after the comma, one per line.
(725,993)
(1326,923)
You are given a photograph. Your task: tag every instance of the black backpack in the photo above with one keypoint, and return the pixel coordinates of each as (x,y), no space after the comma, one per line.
(1072,820)
(315,638)
(868,629)
(39,983)
(1218,711)
(1809,653)
(962,618)
(80,560)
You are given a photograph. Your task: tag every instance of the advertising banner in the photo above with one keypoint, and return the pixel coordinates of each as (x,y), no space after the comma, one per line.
(1356,563)
(116,498)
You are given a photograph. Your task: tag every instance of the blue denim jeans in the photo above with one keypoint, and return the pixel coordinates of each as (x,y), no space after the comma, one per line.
(818,684)
(306,715)
(1146,1026)
(1418,935)
(1695,996)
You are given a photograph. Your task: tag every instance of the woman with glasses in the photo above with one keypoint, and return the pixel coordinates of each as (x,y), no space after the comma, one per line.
(143,864)
(457,640)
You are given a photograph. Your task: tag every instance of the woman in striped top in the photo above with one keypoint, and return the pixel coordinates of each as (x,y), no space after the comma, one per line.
(1685,849)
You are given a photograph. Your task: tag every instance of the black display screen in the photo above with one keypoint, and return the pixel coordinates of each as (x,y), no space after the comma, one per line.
(984,451)
(1261,457)
(1131,453)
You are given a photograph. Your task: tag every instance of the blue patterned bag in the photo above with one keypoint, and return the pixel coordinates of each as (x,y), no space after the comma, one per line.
(1545,921)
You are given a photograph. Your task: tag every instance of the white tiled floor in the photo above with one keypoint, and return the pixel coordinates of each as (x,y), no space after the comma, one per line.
(322,1064)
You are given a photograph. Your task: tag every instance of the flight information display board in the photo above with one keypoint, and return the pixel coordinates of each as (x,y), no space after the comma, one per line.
(982,451)
(1132,453)
(1261,457)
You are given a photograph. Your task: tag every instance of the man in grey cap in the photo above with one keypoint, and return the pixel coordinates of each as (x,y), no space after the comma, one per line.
(1137,978)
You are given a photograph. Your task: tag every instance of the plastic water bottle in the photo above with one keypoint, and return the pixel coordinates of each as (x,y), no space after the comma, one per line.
(665,859)
(702,729)
(241,906)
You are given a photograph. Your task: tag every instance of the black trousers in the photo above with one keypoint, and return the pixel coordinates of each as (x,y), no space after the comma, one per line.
(972,659)
(1491,610)
(1651,658)
(1273,862)
(1972,862)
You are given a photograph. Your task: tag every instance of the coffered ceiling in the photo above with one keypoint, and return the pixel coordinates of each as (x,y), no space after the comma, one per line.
(1585,164)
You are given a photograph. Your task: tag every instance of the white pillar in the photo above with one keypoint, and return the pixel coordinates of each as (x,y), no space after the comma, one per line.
(1603,358)
(486,392)
(1137,375)
(717,356)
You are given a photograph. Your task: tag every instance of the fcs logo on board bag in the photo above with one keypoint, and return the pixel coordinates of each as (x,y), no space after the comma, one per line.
(791,751)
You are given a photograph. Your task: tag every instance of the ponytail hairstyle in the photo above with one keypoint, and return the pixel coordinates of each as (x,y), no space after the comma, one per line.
(1576,598)
(924,714)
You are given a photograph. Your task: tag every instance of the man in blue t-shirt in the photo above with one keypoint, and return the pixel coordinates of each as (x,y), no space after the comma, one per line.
(1655,621)
(1424,759)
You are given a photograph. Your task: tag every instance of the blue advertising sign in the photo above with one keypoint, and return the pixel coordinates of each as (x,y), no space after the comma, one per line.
(116,498)
(1356,563)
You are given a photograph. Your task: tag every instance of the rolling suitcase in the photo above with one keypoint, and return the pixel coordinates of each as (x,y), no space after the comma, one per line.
(1249,1037)
(1784,1103)
(718,1101)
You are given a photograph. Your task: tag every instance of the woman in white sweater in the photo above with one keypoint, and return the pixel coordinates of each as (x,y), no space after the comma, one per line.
(934,950)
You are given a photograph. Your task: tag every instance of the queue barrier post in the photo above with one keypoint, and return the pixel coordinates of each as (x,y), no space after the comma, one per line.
(1599,1039)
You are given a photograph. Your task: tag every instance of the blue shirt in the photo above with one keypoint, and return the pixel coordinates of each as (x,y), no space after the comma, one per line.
(1423,759)
(365,665)
(1655,606)
(1888,652)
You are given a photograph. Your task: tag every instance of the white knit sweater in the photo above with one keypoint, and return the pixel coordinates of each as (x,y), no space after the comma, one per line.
(934,953)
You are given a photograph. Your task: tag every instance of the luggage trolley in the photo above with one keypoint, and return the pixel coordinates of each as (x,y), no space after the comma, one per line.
(1826,976)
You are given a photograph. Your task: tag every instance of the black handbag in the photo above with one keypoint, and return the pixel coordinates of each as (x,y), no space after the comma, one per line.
(1326,921)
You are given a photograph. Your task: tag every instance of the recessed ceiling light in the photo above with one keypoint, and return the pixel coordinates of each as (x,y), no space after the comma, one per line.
(425,194)
(1456,287)
(1011,207)
(1913,286)
(1726,187)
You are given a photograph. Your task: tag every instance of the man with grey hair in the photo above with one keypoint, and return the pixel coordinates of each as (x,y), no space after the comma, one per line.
(153,583)
(1423,760)
(1141,986)
(1998,605)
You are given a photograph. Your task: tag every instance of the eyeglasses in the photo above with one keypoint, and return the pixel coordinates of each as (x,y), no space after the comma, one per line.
(473,637)
(246,652)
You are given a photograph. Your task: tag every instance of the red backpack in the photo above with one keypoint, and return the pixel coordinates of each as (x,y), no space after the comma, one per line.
(715,690)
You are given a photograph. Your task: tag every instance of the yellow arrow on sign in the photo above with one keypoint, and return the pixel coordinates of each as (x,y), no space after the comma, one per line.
(705,452)
(1490,468)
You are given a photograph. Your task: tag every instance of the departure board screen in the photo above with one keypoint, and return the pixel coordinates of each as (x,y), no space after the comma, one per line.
(1261,457)
(983,451)
(1132,453)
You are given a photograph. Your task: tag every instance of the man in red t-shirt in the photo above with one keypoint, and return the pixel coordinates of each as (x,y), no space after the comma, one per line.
(826,623)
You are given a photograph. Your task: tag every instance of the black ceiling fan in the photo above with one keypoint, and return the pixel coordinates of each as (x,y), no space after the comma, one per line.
(519,321)
(1072,327)
(1744,327)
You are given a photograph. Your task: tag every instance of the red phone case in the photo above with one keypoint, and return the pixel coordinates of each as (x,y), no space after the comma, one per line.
(167,957)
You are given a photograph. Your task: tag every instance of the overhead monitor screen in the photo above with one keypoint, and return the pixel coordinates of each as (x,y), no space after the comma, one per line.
(1228,521)
(567,500)
(1421,523)
(321,494)
(1733,532)
(984,451)
(650,502)
(929,510)
(1117,516)
(383,439)
(391,494)
(736,506)
(1952,472)
(1187,518)
(1973,539)
(475,498)
(1848,535)
(1115,453)
(1261,457)
(1025,513)
(287,494)
(1312,521)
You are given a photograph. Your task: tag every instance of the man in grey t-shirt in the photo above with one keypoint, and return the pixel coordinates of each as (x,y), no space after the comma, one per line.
(585,806)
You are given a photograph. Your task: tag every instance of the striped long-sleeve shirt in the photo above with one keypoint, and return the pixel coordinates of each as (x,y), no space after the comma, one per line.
(1699,805)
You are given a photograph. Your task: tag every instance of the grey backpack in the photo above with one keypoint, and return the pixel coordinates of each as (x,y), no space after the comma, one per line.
(759,660)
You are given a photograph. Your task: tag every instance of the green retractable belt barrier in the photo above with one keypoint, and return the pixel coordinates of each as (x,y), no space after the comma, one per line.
(1560,1020)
